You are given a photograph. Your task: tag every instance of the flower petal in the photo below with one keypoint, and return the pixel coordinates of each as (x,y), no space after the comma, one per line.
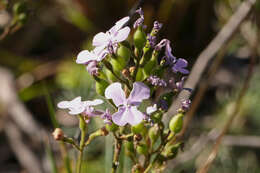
(119,24)
(180,66)
(139,93)
(115,92)
(63,104)
(94,102)
(151,109)
(133,116)
(100,39)
(76,110)
(118,117)
(121,35)
(85,56)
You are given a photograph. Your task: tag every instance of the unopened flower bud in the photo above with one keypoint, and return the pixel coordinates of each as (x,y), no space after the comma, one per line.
(137,129)
(132,69)
(176,122)
(171,151)
(154,133)
(139,38)
(124,54)
(137,169)
(138,137)
(142,149)
(58,134)
(126,73)
(101,85)
(19,7)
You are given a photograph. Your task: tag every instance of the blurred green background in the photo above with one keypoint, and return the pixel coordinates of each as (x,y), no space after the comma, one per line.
(39,49)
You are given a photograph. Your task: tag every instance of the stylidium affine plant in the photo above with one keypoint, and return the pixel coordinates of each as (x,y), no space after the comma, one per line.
(140,82)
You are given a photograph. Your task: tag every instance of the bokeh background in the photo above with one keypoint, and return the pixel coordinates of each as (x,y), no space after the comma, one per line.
(38,48)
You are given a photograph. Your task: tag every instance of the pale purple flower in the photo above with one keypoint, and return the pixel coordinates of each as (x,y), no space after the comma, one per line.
(177,65)
(156,81)
(163,104)
(76,106)
(180,65)
(91,59)
(127,107)
(113,36)
(140,20)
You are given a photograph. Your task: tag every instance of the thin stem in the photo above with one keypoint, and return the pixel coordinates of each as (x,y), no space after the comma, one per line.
(82,126)
(117,150)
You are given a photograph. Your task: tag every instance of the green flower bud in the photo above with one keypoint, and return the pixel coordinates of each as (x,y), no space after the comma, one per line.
(138,129)
(19,7)
(82,123)
(112,127)
(150,65)
(101,85)
(154,133)
(171,151)
(139,38)
(124,54)
(110,76)
(118,64)
(129,146)
(176,123)
(140,76)
(22,18)
(142,149)
(157,117)
(147,56)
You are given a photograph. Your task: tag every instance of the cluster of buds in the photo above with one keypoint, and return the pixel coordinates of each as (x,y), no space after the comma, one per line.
(127,75)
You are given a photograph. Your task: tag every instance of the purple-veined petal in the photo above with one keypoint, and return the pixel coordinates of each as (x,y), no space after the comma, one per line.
(180,66)
(85,56)
(121,35)
(94,102)
(139,93)
(100,39)
(115,92)
(118,118)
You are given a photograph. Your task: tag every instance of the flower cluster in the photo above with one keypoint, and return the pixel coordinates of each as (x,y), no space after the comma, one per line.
(129,77)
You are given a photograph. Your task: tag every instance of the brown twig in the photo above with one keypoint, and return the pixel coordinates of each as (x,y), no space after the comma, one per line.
(205,167)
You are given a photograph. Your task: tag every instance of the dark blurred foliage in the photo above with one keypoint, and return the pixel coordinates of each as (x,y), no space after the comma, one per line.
(41,54)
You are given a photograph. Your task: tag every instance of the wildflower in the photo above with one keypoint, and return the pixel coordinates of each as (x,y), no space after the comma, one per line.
(140,20)
(107,117)
(127,107)
(112,37)
(177,65)
(156,81)
(152,40)
(76,106)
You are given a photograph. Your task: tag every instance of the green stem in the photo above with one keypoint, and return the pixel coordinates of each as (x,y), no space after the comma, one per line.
(82,126)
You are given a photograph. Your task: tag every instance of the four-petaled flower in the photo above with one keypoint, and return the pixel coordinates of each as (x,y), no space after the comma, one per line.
(109,40)
(127,107)
(76,106)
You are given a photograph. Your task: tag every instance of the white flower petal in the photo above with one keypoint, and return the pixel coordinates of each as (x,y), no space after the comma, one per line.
(151,109)
(121,35)
(94,102)
(85,56)
(115,92)
(100,39)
